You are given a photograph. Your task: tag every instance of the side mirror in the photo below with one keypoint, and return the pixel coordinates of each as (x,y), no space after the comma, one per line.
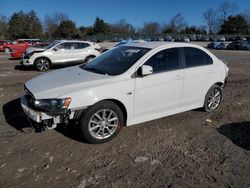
(145,70)
(56,49)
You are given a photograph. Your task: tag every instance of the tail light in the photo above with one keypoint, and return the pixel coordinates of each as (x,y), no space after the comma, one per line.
(99,49)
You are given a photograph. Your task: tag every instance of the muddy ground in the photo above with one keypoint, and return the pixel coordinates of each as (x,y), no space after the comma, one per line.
(182,150)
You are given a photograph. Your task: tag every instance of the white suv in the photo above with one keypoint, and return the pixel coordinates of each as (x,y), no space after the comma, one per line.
(127,85)
(61,52)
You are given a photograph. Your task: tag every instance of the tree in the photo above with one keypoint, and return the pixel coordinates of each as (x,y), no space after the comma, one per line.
(122,29)
(67,30)
(193,30)
(246,15)
(210,19)
(235,25)
(100,27)
(52,22)
(24,25)
(34,29)
(176,24)
(227,8)
(3,27)
(151,28)
(85,31)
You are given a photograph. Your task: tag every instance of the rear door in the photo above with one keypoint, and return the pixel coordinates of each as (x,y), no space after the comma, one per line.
(198,75)
(81,50)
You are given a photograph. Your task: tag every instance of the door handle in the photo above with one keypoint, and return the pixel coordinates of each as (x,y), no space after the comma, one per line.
(178,77)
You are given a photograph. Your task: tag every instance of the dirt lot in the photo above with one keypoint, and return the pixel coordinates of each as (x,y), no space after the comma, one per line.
(182,150)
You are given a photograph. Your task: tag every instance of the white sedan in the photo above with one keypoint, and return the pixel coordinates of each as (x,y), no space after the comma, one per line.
(127,85)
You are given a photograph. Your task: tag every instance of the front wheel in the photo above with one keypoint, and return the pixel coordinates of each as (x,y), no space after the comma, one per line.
(102,122)
(213,98)
(7,50)
(42,64)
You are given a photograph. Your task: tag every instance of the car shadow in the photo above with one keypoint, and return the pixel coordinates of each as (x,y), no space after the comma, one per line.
(16,118)
(24,68)
(71,131)
(238,133)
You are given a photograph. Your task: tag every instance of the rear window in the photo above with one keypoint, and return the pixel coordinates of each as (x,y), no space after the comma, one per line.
(196,57)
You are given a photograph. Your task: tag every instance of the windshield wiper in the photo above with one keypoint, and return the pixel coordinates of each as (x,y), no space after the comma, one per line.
(95,70)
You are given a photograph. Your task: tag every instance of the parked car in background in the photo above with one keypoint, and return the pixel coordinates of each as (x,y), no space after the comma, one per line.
(168,39)
(127,85)
(37,47)
(217,45)
(222,39)
(4,44)
(18,45)
(238,45)
(248,45)
(61,52)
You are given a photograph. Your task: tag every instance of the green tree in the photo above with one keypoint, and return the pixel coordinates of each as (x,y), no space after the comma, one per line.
(24,25)
(193,30)
(34,29)
(235,25)
(3,27)
(101,27)
(67,30)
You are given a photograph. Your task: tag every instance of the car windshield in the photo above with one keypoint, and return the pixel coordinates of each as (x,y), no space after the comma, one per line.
(51,45)
(115,61)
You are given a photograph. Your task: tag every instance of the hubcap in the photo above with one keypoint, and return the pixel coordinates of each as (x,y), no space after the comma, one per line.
(214,99)
(103,124)
(43,64)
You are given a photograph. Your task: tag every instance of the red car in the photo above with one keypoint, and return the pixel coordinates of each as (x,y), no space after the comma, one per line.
(4,44)
(17,48)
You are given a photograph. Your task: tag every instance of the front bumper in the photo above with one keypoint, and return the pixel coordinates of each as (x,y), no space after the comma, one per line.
(37,116)
(25,62)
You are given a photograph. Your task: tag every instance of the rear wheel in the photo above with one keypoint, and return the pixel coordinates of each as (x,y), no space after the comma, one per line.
(88,59)
(102,122)
(213,98)
(42,64)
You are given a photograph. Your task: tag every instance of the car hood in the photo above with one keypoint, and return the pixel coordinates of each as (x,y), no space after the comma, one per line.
(32,49)
(59,82)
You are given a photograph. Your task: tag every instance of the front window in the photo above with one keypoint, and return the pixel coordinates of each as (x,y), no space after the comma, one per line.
(51,45)
(115,61)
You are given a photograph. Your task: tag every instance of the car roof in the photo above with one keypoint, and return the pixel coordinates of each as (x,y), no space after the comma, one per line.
(152,45)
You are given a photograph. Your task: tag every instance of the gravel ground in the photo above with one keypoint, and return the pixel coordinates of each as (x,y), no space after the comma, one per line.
(190,149)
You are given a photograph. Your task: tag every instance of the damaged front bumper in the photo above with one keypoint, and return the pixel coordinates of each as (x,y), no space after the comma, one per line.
(50,119)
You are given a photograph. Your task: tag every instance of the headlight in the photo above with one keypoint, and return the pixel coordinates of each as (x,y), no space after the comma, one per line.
(29,55)
(52,104)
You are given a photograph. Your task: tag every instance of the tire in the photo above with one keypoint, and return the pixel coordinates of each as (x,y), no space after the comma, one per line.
(89,58)
(42,64)
(7,50)
(102,122)
(213,98)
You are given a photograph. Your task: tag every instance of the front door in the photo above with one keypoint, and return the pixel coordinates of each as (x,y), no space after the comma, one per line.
(161,91)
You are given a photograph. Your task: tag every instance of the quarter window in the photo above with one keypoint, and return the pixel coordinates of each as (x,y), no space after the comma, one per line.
(196,57)
(164,60)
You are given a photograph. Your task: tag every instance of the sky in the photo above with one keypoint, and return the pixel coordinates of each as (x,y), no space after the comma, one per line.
(136,12)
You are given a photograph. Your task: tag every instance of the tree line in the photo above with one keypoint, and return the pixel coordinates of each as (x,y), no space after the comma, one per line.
(226,19)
